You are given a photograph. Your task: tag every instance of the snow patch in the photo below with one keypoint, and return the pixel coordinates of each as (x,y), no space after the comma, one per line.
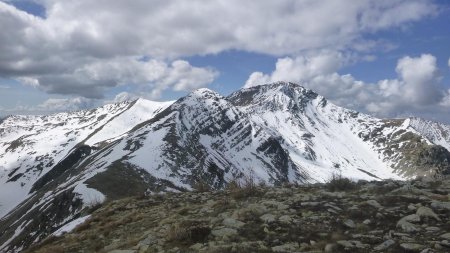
(89,196)
(70,226)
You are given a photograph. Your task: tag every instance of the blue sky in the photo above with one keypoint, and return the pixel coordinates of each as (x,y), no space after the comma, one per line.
(385,58)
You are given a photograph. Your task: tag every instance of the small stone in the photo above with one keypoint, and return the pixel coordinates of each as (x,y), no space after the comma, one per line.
(322,235)
(232,223)
(148,241)
(332,211)
(268,218)
(412,218)
(406,225)
(445,243)
(111,247)
(374,203)
(438,246)
(376,232)
(384,245)
(333,207)
(349,223)
(330,247)
(366,222)
(143,248)
(272,203)
(288,247)
(338,195)
(372,239)
(285,219)
(399,234)
(432,229)
(426,212)
(352,244)
(314,218)
(253,209)
(353,208)
(312,204)
(445,236)
(131,206)
(440,205)
(304,245)
(196,246)
(412,207)
(222,232)
(414,247)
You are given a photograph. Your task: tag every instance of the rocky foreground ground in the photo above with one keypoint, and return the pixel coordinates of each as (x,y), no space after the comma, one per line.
(386,216)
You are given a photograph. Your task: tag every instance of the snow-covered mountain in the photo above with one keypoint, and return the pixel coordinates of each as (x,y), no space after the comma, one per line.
(53,167)
(437,133)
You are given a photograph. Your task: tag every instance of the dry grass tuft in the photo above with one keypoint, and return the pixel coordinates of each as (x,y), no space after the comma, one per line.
(244,187)
(188,232)
(201,186)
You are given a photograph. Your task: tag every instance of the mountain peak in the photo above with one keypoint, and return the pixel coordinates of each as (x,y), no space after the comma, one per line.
(280,85)
(200,98)
(274,96)
(201,92)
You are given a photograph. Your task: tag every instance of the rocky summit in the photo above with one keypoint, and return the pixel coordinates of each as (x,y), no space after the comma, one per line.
(340,216)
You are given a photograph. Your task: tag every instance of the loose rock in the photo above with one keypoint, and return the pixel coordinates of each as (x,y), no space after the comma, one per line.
(412,247)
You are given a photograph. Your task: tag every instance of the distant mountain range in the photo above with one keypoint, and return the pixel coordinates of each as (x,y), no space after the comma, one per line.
(53,167)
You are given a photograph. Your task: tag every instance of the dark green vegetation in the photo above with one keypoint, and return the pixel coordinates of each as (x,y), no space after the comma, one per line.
(341,216)
(339,183)
(123,180)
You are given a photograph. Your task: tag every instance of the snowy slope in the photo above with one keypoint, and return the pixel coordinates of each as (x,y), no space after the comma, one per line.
(32,145)
(323,138)
(436,132)
(200,131)
(141,111)
(317,140)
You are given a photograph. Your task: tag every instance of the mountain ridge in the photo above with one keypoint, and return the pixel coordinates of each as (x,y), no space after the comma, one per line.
(276,133)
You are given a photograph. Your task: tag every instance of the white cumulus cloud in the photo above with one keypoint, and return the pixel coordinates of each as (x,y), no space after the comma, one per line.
(65,52)
(92,79)
(65,104)
(419,80)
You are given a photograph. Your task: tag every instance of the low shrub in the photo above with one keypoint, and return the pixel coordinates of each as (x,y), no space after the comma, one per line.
(243,187)
(201,186)
(339,183)
(188,232)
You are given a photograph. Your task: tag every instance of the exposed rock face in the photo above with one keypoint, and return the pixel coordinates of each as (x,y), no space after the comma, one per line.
(271,219)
